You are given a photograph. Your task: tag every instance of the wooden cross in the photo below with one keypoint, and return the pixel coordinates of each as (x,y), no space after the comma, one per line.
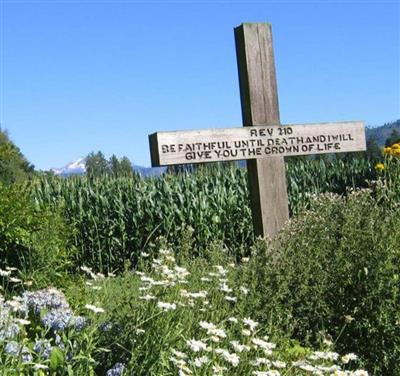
(263,142)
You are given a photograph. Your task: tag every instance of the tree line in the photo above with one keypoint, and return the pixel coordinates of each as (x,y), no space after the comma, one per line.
(98,165)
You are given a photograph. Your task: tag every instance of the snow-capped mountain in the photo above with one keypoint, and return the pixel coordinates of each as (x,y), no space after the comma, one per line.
(77,167)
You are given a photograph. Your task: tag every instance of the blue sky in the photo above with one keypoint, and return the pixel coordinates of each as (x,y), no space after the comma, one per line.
(82,76)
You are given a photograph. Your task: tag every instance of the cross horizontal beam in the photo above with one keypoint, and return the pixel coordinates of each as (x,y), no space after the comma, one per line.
(228,144)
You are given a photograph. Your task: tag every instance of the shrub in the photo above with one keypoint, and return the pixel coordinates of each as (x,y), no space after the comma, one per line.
(34,239)
(335,270)
(14,167)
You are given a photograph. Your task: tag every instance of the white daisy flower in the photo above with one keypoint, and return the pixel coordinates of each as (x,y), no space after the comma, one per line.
(166,306)
(196,346)
(200,361)
(94,308)
(250,323)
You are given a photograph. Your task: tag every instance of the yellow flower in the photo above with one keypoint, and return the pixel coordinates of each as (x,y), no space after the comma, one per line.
(387,150)
(396,152)
(379,166)
(396,146)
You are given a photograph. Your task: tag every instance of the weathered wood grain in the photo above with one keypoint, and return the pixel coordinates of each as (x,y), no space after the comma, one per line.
(259,98)
(228,144)
(262,142)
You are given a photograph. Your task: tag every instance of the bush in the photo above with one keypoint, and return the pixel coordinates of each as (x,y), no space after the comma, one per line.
(33,239)
(14,167)
(335,271)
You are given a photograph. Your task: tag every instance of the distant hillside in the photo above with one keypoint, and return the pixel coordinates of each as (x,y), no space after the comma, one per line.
(383,132)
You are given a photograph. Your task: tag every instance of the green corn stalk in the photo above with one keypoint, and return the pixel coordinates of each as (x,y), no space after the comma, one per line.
(116,218)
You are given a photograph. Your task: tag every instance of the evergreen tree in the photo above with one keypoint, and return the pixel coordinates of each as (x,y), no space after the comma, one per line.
(394,138)
(120,167)
(125,167)
(96,165)
(114,165)
(373,152)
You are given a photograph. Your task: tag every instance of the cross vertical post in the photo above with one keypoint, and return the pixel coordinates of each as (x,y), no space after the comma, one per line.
(259,99)
(262,142)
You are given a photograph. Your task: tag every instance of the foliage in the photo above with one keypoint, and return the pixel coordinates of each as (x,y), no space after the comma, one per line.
(382,132)
(40,335)
(13,165)
(165,319)
(308,178)
(115,218)
(341,293)
(32,237)
(373,152)
(334,265)
(97,165)
(157,320)
(394,138)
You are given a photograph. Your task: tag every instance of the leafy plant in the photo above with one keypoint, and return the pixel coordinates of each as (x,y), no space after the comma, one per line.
(14,167)
(32,238)
(335,270)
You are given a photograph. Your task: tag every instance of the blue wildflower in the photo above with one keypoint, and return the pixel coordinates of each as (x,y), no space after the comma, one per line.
(117,370)
(79,322)
(57,319)
(106,326)
(45,299)
(43,348)
(4,311)
(26,357)
(10,330)
(15,349)
(59,342)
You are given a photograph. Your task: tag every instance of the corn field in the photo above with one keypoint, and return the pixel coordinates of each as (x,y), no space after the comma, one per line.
(115,219)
